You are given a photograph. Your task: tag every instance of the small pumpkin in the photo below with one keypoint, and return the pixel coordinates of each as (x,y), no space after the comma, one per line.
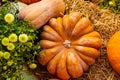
(113,51)
(29,1)
(70,45)
(40,12)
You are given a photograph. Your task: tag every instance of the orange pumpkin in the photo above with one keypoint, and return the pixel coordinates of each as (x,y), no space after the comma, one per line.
(113,51)
(70,45)
(29,1)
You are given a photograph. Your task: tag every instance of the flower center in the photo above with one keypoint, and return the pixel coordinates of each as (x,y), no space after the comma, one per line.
(67,43)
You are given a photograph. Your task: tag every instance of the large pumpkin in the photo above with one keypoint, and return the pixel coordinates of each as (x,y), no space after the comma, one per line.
(70,45)
(113,51)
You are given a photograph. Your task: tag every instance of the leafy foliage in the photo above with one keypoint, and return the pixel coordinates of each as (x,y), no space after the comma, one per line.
(112,5)
(18,53)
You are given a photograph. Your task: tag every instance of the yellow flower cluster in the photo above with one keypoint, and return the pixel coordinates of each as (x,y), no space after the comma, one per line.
(9,42)
(5,55)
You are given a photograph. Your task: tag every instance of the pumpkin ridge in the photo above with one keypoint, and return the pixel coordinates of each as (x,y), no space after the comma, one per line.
(51,37)
(92,34)
(88,42)
(58,56)
(48,29)
(87,59)
(60,50)
(83,64)
(42,57)
(62,68)
(64,32)
(87,51)
(57,26)
(80,57)
(81,25)
(46,44)
(84,32)
(64,24)
(69,22)
(74,17)
(73,65)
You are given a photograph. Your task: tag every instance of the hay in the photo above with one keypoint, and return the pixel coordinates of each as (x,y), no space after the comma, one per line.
(106,23)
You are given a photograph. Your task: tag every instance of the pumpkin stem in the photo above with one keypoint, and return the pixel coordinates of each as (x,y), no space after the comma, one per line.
(67,43)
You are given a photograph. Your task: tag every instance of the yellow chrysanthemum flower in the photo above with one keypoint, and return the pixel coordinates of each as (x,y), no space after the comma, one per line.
(32,66)
(10,46)
(5,41)
(9,18)
(1,53)
(9,63)
(12,37)
(4,67)
(4,0)
(23,38)
(6,55)
(111,3)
